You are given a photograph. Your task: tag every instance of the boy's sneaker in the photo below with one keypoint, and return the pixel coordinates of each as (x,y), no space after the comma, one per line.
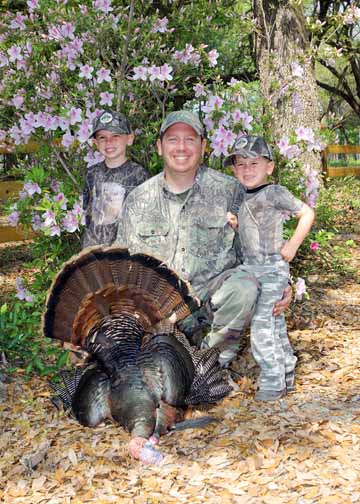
(290,381)
(269,395)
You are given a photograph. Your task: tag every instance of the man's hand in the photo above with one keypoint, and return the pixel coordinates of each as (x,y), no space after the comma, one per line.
(280,306)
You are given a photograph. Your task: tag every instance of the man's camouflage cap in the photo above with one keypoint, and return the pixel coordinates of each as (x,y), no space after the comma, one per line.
(249,146)
(182,116)
(111,121)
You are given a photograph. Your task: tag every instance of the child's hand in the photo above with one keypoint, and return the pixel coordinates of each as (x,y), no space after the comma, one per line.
(288,251)
(232,220)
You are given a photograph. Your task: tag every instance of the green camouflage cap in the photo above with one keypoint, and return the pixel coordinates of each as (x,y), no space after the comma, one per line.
(249,146)
(182,116)
(111,121)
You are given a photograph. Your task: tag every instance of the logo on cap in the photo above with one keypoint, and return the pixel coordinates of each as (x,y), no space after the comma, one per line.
(106,118)
(241,143)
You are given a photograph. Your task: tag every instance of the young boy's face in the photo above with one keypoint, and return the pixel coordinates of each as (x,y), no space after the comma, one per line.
(252,172)
(113,146)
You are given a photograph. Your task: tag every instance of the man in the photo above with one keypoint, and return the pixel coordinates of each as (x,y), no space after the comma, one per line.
(180,216)
(107,183)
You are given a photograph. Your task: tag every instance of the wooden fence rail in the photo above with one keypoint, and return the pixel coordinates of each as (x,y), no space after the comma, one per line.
(340,171)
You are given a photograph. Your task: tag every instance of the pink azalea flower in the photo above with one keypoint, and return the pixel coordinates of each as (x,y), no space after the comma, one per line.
(106,98)
(233,82)
(68,30)
(314,246)
(22,293)
(103,75)
(160,25)
(55,33)
(32,188)
(3,60)
(165,73)
(305,134)
(86,71)
(214,102)
(84,131)
(140,73)
(55,230)
(300,289)
(60,198)
(155,73)
(213,56)
(17,135)
(13,218)
(67,140)
(27,124)
(246,120)
(199,90)
(36,222)
(75,115)
(49,218)
(14,53)
(32,4)
(70,222)
(103,5)
(54,186)
(18,22)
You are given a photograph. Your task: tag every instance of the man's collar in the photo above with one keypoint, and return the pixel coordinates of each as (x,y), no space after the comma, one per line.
(197,185)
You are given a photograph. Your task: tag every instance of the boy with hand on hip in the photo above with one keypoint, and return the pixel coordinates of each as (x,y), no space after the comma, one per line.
(108,183)
(267,257)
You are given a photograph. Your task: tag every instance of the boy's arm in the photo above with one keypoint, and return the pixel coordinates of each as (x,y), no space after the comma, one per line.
(306,218)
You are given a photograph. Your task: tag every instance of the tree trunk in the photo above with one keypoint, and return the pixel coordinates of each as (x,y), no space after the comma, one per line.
(286,71)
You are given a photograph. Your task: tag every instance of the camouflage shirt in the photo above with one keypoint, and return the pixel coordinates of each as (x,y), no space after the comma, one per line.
(189,232)
(261,217)
(104,192)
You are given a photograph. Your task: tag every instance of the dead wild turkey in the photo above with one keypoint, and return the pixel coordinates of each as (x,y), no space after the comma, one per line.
(122,310)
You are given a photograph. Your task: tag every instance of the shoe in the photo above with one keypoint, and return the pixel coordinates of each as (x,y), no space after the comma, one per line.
(269,395)
(290,381)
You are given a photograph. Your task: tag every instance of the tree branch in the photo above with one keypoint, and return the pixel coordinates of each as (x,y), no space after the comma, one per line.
(66,168)
(349,99)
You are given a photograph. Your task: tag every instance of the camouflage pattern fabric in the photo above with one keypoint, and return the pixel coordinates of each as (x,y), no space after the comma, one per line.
(183,116)
(190,233)
(104,192)
(270,344)
(230,305)
(261,217)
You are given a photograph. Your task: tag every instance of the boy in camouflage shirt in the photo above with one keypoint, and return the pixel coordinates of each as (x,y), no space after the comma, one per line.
(267,257)
(109,182)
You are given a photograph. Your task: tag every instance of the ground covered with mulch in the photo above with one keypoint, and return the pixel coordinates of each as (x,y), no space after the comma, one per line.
(304,449)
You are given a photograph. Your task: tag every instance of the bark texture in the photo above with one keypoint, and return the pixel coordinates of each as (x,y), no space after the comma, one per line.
(282,42)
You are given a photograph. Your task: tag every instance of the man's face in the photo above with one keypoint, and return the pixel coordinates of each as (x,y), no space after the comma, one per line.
(113,145)
(182,149)
(252,172)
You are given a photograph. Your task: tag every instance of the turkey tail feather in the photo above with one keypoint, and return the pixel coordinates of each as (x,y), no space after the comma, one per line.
(103,281)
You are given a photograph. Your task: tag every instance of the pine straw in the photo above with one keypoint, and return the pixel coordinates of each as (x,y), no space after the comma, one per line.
(304,449)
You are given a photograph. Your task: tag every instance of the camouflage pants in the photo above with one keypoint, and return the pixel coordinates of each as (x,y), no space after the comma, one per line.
(270,344)
(228,305)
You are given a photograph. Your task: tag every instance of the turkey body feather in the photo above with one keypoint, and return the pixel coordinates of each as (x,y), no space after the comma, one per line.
(122,310)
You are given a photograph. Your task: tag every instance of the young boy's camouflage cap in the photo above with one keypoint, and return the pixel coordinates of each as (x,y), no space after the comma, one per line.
(249,146)
(182,116)
(111,121)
